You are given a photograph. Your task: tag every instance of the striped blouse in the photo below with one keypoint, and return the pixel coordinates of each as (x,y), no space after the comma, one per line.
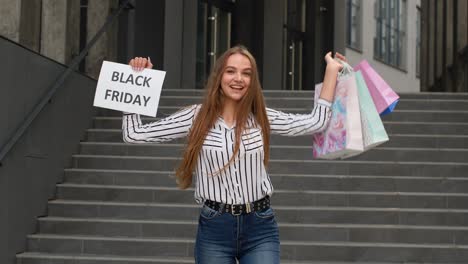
(246,179)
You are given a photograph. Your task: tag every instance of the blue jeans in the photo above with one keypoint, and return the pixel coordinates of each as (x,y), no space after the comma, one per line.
(250,238)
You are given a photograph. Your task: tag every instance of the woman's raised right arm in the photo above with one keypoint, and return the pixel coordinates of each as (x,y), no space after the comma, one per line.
(174,126)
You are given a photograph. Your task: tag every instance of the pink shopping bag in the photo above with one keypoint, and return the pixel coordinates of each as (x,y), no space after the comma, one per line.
(343,136)
(385,99)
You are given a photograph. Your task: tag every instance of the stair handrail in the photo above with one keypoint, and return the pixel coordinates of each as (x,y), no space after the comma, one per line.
(123,4)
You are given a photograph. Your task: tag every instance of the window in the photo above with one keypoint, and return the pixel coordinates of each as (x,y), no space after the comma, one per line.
(390,37)
(353,24)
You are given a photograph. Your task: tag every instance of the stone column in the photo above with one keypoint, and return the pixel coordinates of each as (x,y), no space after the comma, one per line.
(106,47)
(339,30)
(54,21)
(189,45)
(30,24)
(462,32)
(173,32)
(273,20)
(10,13)
(21,22)
(60,29)
(73,30)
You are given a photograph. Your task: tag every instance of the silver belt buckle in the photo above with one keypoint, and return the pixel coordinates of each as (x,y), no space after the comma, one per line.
(233,213)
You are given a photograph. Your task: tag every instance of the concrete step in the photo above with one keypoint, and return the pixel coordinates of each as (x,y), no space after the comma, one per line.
(397,116)
(426,116)
(113,120)
(140,194)
(432,128)
(454,133)
(396,140)
(402,202)
(288,231)
(291,214)
(310,94)
(49,258)
(279,152)
(291,250)
(347,167)
(307,102)
(369,183)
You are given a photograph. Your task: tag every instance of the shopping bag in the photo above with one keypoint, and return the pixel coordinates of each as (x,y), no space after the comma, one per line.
(343,136)
(373,130)
(385,99)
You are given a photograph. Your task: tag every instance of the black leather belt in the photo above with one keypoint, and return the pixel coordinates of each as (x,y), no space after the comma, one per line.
(238,209)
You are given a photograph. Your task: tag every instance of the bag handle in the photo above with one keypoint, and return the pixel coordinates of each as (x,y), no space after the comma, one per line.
(346,71)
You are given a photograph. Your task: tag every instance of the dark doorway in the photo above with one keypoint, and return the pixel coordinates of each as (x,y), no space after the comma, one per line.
(141,32)
(308,36)
(222,24)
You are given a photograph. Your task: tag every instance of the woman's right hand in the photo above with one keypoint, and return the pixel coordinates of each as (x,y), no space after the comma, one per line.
(139,63)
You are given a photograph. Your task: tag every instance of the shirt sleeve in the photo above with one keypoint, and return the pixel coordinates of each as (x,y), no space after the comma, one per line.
(287,124)
(174,126)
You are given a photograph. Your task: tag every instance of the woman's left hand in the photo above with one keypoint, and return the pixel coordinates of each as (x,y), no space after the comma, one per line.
(332,62)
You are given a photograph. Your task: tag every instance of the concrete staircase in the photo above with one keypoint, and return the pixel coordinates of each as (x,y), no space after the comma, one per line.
(405,201)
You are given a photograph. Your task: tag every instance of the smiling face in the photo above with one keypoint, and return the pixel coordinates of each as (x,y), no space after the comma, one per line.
(236,77)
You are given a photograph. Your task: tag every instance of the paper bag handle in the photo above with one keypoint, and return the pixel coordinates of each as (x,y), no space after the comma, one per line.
(346,71)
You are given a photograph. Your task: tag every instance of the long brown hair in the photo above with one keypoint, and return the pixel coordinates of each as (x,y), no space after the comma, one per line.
(251,102)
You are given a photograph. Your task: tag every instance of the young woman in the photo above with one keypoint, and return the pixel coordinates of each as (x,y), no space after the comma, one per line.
(227,151)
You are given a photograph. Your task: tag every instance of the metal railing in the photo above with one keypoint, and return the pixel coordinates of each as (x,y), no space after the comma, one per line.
(21,129)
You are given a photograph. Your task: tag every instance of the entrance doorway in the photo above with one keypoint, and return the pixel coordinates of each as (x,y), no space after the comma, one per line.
(308,35)
(225,23)
(213,35)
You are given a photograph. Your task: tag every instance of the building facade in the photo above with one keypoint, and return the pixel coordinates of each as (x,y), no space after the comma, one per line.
(184,37)
(288,37)
(385,33)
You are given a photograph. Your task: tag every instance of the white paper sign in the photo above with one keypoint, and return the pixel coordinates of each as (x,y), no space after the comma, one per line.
(121,88)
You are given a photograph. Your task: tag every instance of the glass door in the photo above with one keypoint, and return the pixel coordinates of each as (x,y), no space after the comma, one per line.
(294,43)
(308,35)
(213,35)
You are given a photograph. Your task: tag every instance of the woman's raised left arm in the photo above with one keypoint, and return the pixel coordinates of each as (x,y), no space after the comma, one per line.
(299,124)
(288,124)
